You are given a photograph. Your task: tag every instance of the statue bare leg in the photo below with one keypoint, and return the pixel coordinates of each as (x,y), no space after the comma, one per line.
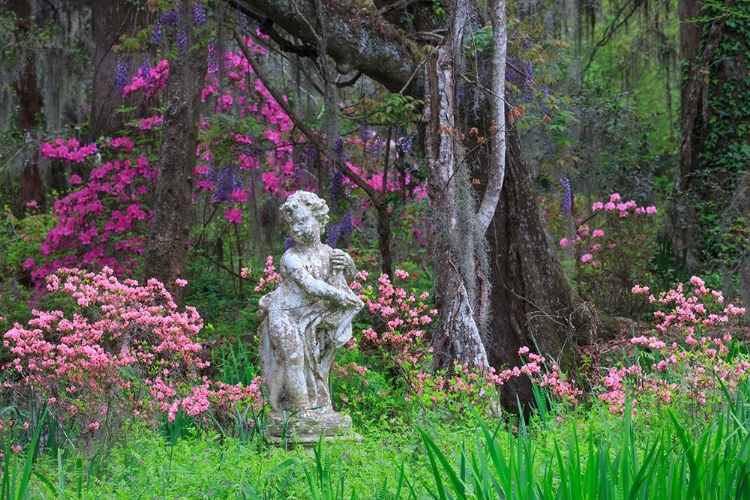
(289,387)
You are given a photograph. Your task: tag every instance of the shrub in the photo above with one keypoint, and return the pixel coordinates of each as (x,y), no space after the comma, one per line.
(120,349)
(691,357)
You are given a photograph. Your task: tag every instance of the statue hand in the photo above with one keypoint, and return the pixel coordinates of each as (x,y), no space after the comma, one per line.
(348,300)
(339,260)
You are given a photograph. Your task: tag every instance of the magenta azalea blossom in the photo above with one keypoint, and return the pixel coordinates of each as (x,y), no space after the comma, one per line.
(233,215)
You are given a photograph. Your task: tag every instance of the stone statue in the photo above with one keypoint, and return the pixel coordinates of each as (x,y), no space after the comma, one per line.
(307,318)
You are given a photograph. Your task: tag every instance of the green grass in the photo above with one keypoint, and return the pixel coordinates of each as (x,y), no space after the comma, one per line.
(591,454)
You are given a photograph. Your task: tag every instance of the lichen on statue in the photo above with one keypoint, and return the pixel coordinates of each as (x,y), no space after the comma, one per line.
(308,316)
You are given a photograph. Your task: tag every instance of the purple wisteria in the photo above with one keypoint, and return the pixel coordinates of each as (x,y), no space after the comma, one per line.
(182,40)
(156,33)
(566,204)
(199,14)
(121,76)
(227,181)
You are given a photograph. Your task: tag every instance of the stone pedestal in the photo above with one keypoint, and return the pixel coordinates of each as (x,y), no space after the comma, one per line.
(306,427)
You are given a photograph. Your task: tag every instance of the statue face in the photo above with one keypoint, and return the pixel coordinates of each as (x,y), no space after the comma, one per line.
(304,228)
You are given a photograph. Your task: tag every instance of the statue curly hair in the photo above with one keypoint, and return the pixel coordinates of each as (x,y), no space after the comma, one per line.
(318,207)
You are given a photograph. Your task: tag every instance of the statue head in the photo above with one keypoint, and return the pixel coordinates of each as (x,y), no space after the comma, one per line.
(305,216)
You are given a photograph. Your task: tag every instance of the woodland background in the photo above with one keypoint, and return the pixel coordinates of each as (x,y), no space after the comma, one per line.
(536,181)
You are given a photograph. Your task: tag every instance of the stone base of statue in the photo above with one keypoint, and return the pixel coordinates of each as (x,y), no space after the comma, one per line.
(306,427)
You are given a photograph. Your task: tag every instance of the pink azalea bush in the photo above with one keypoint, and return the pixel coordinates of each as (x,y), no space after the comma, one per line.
(104,221)
(610,248)
(119,349)
(246,140)
(403,314)
(399,340)
(689,358)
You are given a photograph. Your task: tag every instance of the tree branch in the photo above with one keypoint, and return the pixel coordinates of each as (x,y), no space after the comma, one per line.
(266,27)
(612,29)
(356,37)
(491,195)
(349,82)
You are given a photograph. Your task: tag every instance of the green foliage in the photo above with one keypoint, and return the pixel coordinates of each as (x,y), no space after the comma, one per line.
(624,462)
(438,9)
(399,109)
(481,38)
(224,299)
(19,242)
(15,482)
(581,454)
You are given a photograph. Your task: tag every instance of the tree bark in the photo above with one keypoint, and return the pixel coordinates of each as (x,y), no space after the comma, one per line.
(110,20)
(457,336)
(694,114)
(30,106)
(167,245)
(533,304)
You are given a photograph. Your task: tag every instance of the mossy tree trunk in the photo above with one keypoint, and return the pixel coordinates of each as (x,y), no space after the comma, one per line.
(167,245)
(715,116)
(29,109)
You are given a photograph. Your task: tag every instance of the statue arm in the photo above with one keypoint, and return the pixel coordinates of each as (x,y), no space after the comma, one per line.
(312,286)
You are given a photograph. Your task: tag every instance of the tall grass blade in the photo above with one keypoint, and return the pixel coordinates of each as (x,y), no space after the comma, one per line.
(31,456)
(441,493)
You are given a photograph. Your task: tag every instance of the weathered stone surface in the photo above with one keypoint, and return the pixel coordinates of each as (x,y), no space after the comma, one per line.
(307,427)
(304,322)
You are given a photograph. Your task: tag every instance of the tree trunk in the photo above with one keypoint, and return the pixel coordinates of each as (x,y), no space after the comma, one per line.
(384,239)
(702,78)
(457,336)
(166,249)
(30,106)
(532,302)
(110,20)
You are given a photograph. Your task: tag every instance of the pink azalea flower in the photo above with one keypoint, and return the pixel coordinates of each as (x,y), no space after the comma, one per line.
(233,215)
(401,274)
(239,195)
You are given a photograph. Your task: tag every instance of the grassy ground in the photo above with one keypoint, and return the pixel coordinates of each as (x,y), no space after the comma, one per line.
(659,453)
